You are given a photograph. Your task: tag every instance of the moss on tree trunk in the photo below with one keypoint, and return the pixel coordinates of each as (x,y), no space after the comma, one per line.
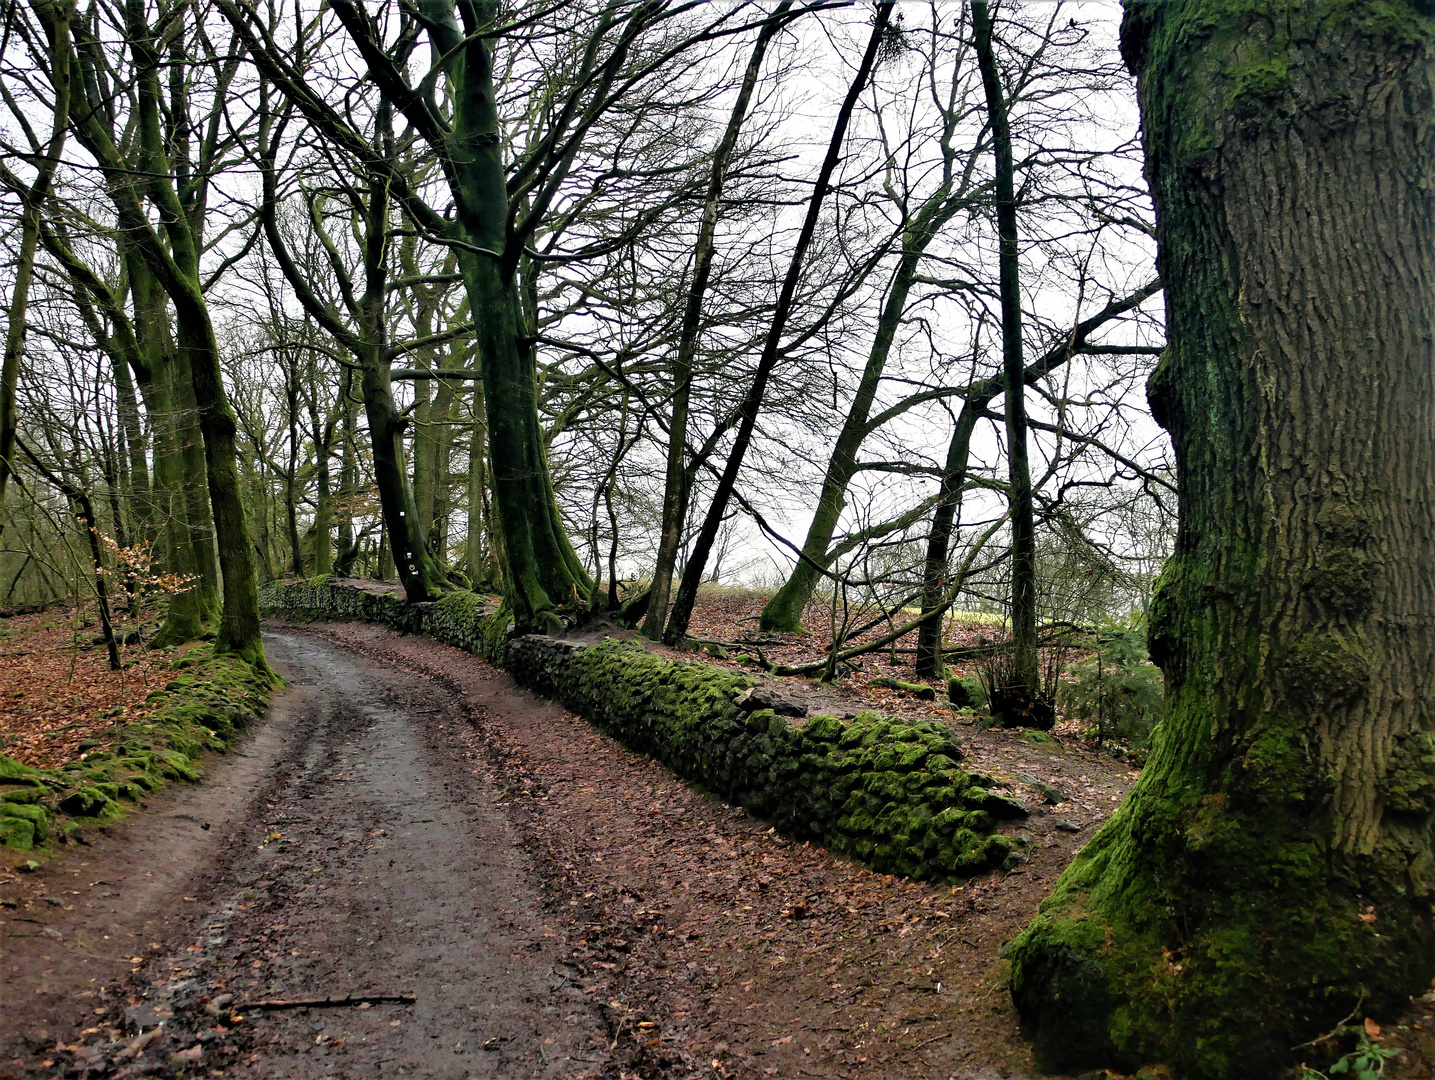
(1224,915)
(541,570)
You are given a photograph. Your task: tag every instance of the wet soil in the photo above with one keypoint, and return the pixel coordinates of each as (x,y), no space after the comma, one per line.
(554,904)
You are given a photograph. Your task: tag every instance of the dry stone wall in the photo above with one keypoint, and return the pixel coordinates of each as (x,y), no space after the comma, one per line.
(886,791)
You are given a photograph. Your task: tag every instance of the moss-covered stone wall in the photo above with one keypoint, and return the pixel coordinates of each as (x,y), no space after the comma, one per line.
(204,707)
(888,792)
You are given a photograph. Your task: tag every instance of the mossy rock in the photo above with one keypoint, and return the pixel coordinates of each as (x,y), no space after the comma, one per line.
(911,757)
(998,806)
(966,692)
(17,833)
(1033,737)
(38,816)
(12,770)
(823,729)
(86,802)
(917,690)
(179,766)
(876,733)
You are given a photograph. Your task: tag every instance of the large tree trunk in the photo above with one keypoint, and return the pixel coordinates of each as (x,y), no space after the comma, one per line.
(188,611)
(541,570)
(424,450)
(196,365)
(239,617)
(1272,870)
(198,512)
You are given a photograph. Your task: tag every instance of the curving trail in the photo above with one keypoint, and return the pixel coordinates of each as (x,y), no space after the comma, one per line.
(369,861)
(407,822)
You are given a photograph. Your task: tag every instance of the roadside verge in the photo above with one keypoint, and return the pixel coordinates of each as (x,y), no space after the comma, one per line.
(203,707)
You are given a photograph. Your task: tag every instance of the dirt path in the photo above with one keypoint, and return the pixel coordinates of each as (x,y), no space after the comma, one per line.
(556,905)
(370,862)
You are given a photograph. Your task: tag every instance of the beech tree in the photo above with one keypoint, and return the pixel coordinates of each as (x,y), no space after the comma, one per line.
(676,480)
(1028,81)
(1272,870)
(677,625)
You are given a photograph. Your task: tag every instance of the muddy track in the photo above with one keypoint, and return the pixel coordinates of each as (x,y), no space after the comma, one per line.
(370,861)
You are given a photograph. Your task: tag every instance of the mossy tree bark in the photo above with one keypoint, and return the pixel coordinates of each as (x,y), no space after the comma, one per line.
(170,250)
(189,611)
(1272,870)
(541,570)
(290,365)
(181,215)
(141,345)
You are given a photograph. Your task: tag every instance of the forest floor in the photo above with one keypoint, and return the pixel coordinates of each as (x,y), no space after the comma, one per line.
(57,689)
(557,905)
(731,616)
(408,822)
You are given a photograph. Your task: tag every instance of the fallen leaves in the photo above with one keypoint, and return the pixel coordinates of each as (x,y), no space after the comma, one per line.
(59,691)
(673,905)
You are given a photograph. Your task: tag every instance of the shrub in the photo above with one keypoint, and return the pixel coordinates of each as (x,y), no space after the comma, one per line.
(1116,691)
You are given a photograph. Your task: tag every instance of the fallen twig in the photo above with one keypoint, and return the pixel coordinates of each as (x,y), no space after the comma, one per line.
(328,1003)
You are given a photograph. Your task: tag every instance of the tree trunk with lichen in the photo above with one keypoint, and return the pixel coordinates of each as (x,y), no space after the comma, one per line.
(541,571)
(1272,870)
